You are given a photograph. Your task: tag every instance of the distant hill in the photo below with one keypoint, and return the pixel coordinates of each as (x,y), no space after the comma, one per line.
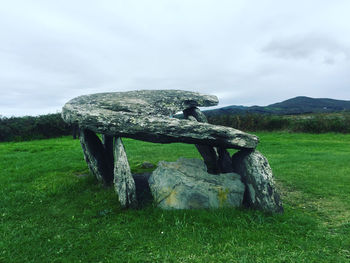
(297,105)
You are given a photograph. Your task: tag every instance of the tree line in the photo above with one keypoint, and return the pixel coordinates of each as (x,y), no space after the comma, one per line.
(52,125)
(31,128)
(311,123)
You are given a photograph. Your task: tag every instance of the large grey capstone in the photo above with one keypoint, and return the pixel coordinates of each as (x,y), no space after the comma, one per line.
(147,115)
(185,184)
(145,102)
(256,173)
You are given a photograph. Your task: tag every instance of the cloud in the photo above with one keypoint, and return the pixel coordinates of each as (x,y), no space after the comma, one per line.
(308,47)
(243,51)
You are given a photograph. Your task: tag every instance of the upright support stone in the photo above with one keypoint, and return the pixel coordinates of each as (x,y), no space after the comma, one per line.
(217,160)
(96,157)
(124,183)
(224,161)
(210,157)
(256,174)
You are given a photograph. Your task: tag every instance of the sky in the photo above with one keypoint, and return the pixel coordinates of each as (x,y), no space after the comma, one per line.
(245,52)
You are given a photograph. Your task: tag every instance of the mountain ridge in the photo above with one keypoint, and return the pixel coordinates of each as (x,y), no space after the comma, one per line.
(296,105)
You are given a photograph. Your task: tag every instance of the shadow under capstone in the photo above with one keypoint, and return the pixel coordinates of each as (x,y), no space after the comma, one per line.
(143,191)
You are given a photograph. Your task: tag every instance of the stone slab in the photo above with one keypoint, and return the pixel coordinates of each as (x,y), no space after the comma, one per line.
(101,113)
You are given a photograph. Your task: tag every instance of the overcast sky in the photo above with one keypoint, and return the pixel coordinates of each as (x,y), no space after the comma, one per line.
(245,52)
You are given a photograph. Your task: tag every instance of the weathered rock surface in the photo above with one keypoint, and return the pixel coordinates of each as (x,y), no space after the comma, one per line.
(96,156)
(185,184)
(124,183)
(261,192)
(145,115)
(145,102)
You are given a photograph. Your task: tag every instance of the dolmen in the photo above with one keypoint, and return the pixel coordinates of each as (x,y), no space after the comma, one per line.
(219,180)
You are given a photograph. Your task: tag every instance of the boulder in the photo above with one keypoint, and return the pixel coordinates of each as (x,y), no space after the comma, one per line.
(185,184)
(256,173)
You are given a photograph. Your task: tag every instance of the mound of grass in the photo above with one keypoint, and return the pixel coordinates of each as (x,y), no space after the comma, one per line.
(53,210)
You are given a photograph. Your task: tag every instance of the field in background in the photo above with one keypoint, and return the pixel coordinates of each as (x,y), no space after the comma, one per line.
(50,211)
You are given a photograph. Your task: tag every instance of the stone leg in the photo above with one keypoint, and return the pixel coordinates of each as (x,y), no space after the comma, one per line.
(224,161)
(124,183)
(217,160)
(95,156)
(210,157)
(257,176)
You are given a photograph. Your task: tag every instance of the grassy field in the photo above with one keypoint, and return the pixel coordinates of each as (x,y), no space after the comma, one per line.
(50,211)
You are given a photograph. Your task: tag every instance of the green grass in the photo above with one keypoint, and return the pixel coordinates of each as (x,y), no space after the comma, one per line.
(51,212)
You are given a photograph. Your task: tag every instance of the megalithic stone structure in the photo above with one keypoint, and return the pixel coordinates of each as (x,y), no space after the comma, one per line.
(148,115)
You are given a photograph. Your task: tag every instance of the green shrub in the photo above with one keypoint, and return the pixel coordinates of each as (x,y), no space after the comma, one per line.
(29,128)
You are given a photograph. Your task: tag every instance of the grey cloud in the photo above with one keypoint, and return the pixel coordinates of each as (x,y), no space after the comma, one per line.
(310,46)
